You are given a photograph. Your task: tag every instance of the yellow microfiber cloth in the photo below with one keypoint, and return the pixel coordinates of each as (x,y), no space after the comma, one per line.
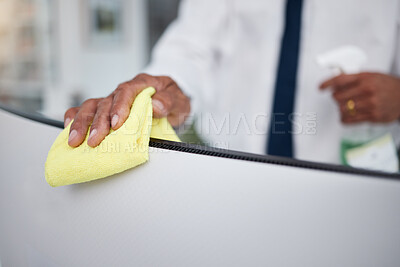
(121,150)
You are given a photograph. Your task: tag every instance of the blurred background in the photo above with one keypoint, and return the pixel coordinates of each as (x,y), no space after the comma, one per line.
(54,53)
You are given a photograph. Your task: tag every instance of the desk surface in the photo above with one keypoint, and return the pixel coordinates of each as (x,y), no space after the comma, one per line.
(184,209)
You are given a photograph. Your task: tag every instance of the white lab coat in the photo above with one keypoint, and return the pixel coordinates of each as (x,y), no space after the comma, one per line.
(224,55)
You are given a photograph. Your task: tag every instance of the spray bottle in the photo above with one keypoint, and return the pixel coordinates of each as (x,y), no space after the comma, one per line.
(349,60)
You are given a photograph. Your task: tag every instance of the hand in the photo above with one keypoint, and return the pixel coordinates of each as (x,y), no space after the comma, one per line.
(112,111)
(366,97)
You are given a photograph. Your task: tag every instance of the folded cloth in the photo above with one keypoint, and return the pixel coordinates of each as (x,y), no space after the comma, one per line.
(121,150)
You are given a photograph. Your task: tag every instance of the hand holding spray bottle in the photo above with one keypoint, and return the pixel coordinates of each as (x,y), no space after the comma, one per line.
(363,145)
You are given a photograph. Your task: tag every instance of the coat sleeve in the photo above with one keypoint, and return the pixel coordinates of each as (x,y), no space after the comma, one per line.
(189,47)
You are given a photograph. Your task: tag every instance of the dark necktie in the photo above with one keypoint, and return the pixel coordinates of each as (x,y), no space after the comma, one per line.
(280,140)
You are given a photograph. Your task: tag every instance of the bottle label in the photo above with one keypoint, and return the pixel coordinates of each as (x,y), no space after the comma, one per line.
(379,154)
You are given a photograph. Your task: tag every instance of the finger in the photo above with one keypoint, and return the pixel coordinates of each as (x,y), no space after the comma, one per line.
(81,123)
(363,111)
(162,104)
(101,122)
(340,81)
(176,106)
(362,105)
(351,93)
(69,115)
(127,92)
(122,102)
(356,118)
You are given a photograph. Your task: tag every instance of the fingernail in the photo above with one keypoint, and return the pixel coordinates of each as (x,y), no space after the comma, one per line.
(72,135)
(92,133)
(114,120)
(67,121)
(158,105)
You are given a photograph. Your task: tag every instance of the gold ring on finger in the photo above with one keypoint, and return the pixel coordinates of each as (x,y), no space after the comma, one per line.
(351,107)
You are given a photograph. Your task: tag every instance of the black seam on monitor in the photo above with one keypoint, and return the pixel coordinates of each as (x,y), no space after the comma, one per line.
(223,153)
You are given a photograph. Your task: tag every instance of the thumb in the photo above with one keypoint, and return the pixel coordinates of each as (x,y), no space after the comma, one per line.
(161,105)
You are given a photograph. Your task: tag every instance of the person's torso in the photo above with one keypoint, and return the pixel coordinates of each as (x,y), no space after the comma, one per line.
(238,111)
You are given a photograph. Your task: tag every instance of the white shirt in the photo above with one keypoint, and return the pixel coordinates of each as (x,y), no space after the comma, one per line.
(224,55)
